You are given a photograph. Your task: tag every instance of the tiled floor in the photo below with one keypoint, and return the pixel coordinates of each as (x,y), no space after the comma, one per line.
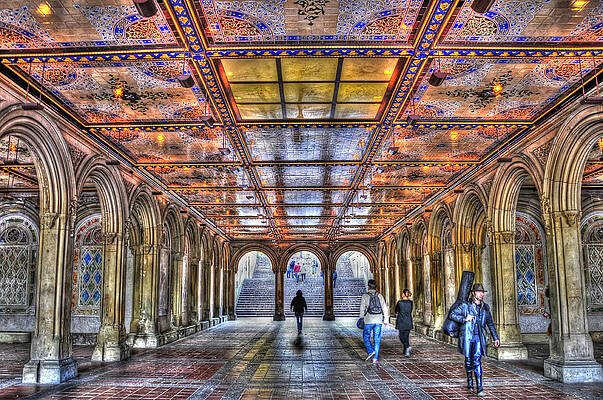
(262,359)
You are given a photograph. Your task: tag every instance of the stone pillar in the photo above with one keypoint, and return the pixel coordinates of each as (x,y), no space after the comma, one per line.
(177,270)
(437,294)
(427,319)
(329,314)
(191,287)
(417,290)
(464,261)
(50,357)
(231,295)
(504,298)
(279,296)
(571,356)
(206,292)
(143,331)
(111,340)
(217,291)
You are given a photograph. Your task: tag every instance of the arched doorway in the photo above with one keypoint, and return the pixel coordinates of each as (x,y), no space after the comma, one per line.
(309,279)
(353,272)
(254,286)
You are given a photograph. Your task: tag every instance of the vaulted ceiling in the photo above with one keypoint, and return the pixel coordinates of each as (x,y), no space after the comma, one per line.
(297,125)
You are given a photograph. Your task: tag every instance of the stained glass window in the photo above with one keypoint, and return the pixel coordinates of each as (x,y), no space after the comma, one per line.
(88,266)
(18,258)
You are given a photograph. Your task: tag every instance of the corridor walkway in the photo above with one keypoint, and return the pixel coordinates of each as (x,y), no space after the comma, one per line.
(259,358)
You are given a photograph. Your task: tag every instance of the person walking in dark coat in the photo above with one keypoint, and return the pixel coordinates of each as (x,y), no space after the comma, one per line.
(404,320)
(474,315)
(298,305)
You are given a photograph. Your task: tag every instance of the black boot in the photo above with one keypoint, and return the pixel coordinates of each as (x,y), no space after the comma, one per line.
(469,381)
(478,381)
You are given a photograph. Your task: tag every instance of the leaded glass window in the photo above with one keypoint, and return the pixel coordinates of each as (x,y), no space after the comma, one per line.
(529,264)
(18,259)
(592,236)
(88,266)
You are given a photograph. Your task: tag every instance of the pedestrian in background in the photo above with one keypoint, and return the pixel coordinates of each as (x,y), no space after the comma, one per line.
(298,306)
(404,320)
(376,314)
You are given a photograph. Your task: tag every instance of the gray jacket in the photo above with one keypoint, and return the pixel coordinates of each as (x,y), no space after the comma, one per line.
(373,318)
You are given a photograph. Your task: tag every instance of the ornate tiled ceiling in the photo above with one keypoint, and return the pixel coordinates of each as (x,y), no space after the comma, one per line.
(308,134)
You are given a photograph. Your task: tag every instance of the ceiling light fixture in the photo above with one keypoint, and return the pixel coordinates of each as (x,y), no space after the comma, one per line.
(497,89)
(578,5)
(146,8)
(44,9)
(482,6)
(185,80)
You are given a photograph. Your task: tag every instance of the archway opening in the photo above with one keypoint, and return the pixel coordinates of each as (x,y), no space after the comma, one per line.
(353,272)
(304,272)
(254,286)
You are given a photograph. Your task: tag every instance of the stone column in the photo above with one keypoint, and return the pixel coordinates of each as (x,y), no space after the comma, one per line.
(571,356)
(426,262)
(143,331)
(504,298)
(464,261)
(206,292)
(217,290)
(279,296)
(329,314)
(437,295)
(191,287)
(178,267)
(231,295)
(50,355)
(417,290)
(111,340)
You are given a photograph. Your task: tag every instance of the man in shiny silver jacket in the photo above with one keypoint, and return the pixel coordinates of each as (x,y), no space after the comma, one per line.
(474,315)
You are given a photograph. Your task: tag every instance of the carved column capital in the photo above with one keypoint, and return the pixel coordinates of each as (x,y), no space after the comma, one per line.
(505,237)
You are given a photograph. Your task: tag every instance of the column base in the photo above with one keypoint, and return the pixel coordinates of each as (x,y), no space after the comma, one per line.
(573,371)
(110,352)
(232,317)
(143,341)
(328,317)
(278,317)
(508,351)
(49,372)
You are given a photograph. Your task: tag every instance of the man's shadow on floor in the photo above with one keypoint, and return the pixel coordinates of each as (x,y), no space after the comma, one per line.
(299,345)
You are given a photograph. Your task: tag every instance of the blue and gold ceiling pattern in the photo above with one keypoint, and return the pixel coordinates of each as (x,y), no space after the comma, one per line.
(296,122)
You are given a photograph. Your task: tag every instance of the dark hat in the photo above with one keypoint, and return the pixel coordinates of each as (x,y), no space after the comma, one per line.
(478,287)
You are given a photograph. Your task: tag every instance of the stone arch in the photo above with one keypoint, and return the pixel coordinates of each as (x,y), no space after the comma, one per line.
(418,236)
(505,190)
(569,340)
(439,218)
(567,159)
(145,243)
(174,227)
(407,260)
(312,248)
(51,341)
(193,257)
(469,220)
(267,250)
(344,248)
(112,196)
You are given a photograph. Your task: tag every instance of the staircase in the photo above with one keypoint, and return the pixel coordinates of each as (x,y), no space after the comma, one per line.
(257,294)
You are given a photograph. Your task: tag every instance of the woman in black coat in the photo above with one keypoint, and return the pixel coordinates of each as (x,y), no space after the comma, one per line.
(404,320)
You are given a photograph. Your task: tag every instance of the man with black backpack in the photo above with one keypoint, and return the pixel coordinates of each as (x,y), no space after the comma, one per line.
(375,313)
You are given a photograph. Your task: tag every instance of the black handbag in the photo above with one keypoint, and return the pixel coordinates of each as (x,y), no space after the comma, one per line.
(360,323)
(450,327)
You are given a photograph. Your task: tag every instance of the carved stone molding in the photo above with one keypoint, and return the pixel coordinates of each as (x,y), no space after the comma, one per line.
(76,156)
(542,152)
(49,220)
(487,185)
(572,217)
(468,247)
(506,237)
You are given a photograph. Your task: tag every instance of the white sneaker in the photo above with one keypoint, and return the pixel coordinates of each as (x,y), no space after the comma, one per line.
(370,356)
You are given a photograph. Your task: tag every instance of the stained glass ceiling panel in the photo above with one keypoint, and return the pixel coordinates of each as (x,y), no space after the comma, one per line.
(303,143)
(308,89)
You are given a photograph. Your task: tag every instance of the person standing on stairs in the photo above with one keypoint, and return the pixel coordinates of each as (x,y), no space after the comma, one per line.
(404,320)
(298,306)
(376,314)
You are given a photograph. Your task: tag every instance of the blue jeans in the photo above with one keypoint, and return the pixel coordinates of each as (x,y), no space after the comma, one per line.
(474,362)
(373,330)
(299,318)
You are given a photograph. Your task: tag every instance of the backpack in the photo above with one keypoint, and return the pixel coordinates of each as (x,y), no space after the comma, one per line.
(374,304)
